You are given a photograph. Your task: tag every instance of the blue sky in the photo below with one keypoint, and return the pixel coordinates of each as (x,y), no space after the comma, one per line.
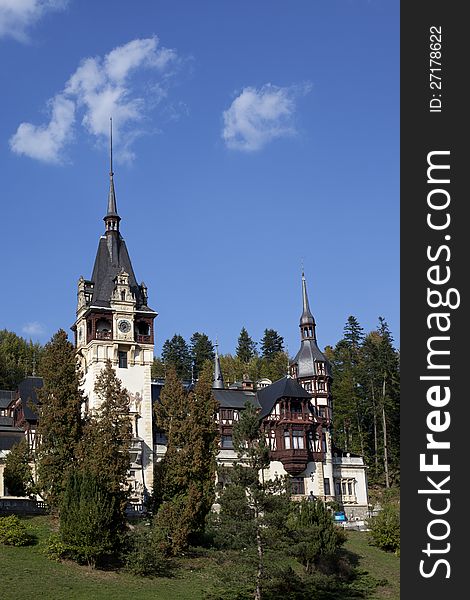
(250,137)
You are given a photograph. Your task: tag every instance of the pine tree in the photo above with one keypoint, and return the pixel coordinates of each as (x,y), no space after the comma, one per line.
(202,350)
(87,519)
(18,358)
(18,475)
(186,474)
(104,448)
(347,392)
(158,368)
(271,344)
(176,353)
(60,423)
(252,450)
(246,349)
(316,539)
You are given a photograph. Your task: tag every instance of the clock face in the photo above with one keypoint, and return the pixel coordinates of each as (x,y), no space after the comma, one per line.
(124,326)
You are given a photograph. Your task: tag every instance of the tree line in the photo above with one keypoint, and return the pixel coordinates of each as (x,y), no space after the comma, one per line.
(187,359)
(366,398)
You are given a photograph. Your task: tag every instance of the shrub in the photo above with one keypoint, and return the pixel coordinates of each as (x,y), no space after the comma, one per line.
(56,549)
(385,529)
(13,532)
(142,555)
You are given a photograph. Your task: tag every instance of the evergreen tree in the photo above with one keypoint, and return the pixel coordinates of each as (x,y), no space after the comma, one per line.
(276,367)
(315,538)
(176,353)
(18,358)
(381,375)
(87,519)
(60,423)
(186,475)
(349,409)
(271,344)
(18,475)
(202,350)
(158,368)
(246,349)
(252,450)
(107,434)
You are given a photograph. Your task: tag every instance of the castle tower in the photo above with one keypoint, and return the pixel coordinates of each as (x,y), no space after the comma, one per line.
(115,322)
(312,370)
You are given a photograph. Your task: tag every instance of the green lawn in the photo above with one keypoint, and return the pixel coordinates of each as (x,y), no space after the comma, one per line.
(25,573)
(379,564)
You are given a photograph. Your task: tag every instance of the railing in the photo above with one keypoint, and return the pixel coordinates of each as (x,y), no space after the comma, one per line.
(22,506)
(103,335)
(143,339)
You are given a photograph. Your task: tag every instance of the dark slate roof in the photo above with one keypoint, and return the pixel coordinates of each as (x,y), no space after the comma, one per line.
(27,392)
(307,355)
(6,396)
(9,436)
(235,398)
(111,257)
(282,388)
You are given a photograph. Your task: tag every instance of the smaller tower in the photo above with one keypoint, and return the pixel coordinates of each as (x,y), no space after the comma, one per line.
(312,370)
(218,377)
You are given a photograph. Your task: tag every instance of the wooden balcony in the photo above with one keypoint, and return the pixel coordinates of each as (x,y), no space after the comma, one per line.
(143,339)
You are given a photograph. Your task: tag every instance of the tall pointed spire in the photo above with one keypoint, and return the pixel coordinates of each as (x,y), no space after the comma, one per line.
(218,382)
(112,218)
(307,322)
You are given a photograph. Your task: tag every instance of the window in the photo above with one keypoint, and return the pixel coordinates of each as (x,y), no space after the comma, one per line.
(122,359)
(326,483)
(287,440)
(296,407)
(123,295)
(321,386)
(337,488)
(298,441)
(297,486)
(227,441)
(323,442)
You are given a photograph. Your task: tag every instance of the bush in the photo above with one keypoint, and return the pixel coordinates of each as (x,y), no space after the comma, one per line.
(142,555)
(56,549)
(385,529)
(13,532)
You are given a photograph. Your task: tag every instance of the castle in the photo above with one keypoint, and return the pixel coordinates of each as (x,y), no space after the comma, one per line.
(115,322)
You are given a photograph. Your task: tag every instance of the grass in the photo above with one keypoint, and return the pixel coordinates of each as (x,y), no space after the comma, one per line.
(26,573)
(379,564)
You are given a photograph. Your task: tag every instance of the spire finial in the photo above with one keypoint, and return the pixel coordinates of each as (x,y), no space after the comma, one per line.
(112,218)
(111,172)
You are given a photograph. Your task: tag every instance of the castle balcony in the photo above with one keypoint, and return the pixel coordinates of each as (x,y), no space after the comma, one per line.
(143,339)
(294,460)
(103,335)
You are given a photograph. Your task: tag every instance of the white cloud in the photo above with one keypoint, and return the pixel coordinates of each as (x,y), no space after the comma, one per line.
(258,116)
(34,328)
(45,142)
(100,88)
(17,16)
